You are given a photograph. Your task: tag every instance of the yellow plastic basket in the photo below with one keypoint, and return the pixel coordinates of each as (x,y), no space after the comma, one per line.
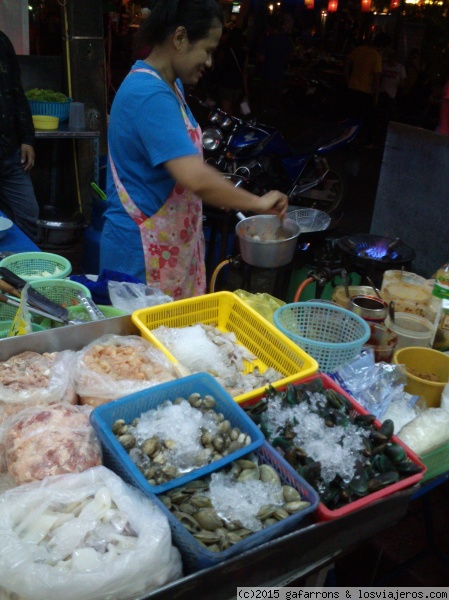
(229,313)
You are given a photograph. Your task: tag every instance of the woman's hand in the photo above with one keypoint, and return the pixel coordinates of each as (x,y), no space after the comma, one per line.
(273,203)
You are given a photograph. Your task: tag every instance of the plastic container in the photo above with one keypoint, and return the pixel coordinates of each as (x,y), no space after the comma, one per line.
(326,514)
(228,312)
(398,276)
(31,266)
(383,342)
(45,122)
(128,408)
(422,361)
(195,556)
(53,109)
(405,291)
(411,330)
(331,334)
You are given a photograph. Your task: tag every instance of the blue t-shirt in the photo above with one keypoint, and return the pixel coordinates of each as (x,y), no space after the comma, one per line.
(146,129)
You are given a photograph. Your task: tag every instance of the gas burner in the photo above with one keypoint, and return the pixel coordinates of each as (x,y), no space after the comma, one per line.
(372,255)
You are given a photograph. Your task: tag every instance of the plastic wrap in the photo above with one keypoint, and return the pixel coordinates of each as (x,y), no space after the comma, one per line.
(114,366)
(132,296)
(265,304)
(444,403)
(87,536)
(374,385)
(54,440)
(427,432)
(33,379)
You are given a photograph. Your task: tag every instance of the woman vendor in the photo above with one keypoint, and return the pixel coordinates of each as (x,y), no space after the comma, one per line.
(157,179)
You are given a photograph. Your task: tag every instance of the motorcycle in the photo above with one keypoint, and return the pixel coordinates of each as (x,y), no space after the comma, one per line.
(258,158)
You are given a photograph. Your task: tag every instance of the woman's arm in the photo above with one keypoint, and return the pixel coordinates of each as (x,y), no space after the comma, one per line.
(204,181)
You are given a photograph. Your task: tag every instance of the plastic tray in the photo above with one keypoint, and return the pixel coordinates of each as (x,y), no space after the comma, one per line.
(228,312)
(27,264)
(324,513)
(436,462)
(132,406)
(197,557)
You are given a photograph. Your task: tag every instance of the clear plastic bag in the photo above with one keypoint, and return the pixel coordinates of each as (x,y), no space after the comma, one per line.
(376,386)
(86,536)
(427,432)
(265,304)
(114,366)
(33,379)
(132,296)
(53,440)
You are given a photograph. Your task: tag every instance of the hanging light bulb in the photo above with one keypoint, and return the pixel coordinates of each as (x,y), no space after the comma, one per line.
(366,5)
(332,6)
(309,4)
(394,4)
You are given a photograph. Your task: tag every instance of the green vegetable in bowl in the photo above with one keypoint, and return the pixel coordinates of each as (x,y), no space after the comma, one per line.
(45,95)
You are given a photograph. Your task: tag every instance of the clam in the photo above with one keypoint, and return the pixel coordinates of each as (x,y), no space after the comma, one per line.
(268,474)
(208,519)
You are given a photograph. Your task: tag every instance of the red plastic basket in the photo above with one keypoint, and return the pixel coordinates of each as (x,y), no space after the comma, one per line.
(325,514)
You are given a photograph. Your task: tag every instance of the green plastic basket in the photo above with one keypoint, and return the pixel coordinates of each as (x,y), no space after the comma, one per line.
(61,291)
(79,312)
(31,266)
(437,462)
(5,326)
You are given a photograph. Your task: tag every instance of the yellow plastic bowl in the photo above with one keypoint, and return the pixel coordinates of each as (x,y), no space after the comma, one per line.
(45,122)
(424,360)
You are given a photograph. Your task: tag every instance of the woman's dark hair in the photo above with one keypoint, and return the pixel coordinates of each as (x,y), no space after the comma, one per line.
(197,16)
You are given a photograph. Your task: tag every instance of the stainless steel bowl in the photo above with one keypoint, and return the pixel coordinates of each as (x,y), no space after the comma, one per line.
(266,242)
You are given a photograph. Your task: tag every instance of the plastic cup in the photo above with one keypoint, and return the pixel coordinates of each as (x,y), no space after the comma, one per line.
(77,117)
(383,341)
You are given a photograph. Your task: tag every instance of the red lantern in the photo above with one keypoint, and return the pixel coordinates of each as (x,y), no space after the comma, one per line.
(332,6)
(366,5)
(394,4)
(309,4)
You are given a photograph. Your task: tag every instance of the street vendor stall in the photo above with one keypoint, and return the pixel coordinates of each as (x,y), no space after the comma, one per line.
(216,357)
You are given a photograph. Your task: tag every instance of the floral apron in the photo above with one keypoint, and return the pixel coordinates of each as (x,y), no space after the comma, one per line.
(172,239)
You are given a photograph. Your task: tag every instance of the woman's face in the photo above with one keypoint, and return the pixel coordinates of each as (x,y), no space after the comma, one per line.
(193,59)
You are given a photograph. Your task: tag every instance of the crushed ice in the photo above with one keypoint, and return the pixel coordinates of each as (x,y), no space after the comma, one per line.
(241,500)
(180,423)
(336,448)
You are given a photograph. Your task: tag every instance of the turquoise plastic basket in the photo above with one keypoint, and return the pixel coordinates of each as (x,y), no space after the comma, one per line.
(51,109)
(331,334)
(30,266)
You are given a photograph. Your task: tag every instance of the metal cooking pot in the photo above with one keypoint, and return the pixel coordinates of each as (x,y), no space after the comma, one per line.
(266,242)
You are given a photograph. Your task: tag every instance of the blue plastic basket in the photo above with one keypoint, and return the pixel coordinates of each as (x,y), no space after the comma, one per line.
(196,556)
(128,408)
(51,109)
(331,334)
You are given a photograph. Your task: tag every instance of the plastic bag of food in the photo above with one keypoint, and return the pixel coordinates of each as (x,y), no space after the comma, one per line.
(427,432)
(114,366)
(265,304)
(21,323)
(86,536)
(33,379)
(53,440)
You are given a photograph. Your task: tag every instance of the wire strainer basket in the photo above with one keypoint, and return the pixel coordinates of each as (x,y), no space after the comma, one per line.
(310,219)
(330,334)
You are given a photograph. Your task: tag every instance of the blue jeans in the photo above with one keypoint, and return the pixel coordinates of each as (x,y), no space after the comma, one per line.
(17,199)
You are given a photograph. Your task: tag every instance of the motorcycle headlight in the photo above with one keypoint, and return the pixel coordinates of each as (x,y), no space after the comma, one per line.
(212,139)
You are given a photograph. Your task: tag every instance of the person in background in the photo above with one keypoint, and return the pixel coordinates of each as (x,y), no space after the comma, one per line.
(156,178)
(17,199)
(231,70)
(392,80)
(363,70)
